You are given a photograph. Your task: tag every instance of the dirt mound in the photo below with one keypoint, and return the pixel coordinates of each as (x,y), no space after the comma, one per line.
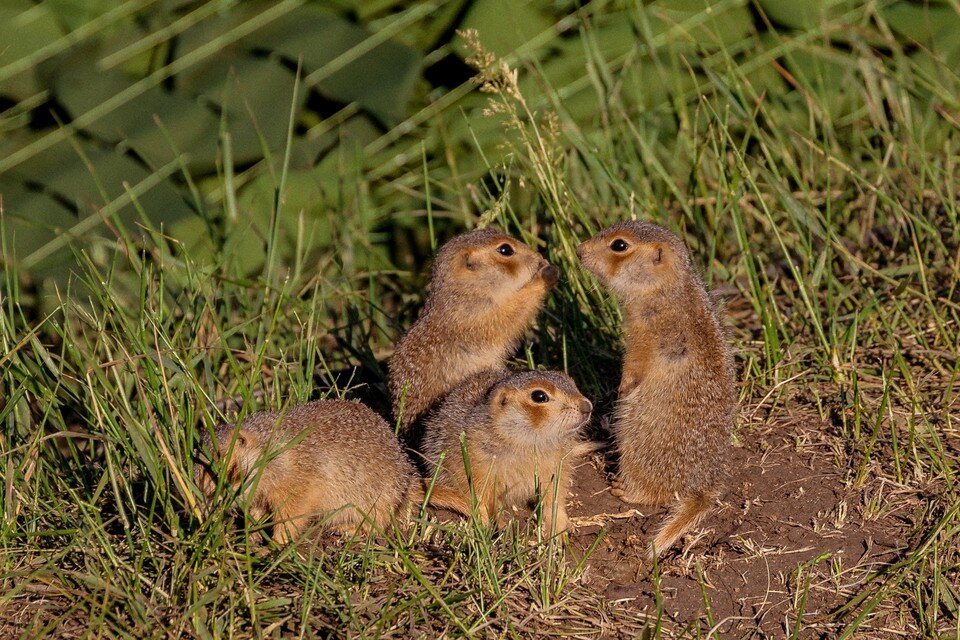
(789,540)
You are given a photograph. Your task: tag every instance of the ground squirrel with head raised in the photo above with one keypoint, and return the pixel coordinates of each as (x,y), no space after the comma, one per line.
(677,398)
(333,459)
(486,290)
(522,437)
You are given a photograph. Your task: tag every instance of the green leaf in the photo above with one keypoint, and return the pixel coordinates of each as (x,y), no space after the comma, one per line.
(25,28)
(805,14)
(708,24)
(87,188)
(31,219)
(380,79)
(246,243)
(193,126)
(827,78)
(921,22)
(74,13)
(254,95)
(505,25)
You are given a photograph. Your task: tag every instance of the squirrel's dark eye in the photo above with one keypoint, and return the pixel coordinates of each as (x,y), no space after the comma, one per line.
(539,396)
(619,245)
(505,250)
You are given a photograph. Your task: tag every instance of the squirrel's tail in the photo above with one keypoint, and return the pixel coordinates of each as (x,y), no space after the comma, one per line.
(686,515)
(442,497)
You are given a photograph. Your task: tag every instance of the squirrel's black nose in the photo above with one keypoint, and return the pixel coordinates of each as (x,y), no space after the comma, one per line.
(580,251)
(586,406)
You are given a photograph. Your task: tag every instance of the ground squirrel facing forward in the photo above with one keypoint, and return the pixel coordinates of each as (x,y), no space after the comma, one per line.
(333,459)
(522,437)
(486,290)
(677,396)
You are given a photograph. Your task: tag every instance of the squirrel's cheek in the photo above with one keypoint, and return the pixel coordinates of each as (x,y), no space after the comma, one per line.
(601,269)
(537,415)
(512,270)
(588,265)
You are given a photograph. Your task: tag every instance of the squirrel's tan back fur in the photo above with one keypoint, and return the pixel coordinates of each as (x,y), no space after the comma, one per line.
(677,401)
(481,300)
(331,459)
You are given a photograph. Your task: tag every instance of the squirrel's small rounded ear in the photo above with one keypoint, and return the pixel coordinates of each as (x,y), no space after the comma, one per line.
(499,398)
(657,254)
(470,261)
(243,438)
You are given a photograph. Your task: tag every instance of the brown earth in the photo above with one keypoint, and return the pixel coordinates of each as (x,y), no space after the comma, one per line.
(788,505)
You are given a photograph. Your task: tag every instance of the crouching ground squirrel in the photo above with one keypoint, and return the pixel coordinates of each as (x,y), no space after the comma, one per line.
(677,398)
(522,437)
(485,291)
(332,459)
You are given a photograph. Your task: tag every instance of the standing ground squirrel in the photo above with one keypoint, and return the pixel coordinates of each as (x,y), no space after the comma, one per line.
(333,459)
(486,290)
(522,433)
(677,397)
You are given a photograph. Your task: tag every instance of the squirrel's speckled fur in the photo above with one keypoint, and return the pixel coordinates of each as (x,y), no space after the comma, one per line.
(514,444)
(332,459)
(677,398)
(479,305)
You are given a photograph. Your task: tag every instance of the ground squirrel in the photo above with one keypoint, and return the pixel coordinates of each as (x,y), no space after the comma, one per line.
(333,459)
(677,395)
(522,434)
(486,290)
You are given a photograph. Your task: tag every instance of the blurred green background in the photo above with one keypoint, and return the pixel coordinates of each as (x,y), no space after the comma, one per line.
(116,117)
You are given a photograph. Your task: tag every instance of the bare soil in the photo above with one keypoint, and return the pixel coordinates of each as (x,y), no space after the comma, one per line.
(788,505)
